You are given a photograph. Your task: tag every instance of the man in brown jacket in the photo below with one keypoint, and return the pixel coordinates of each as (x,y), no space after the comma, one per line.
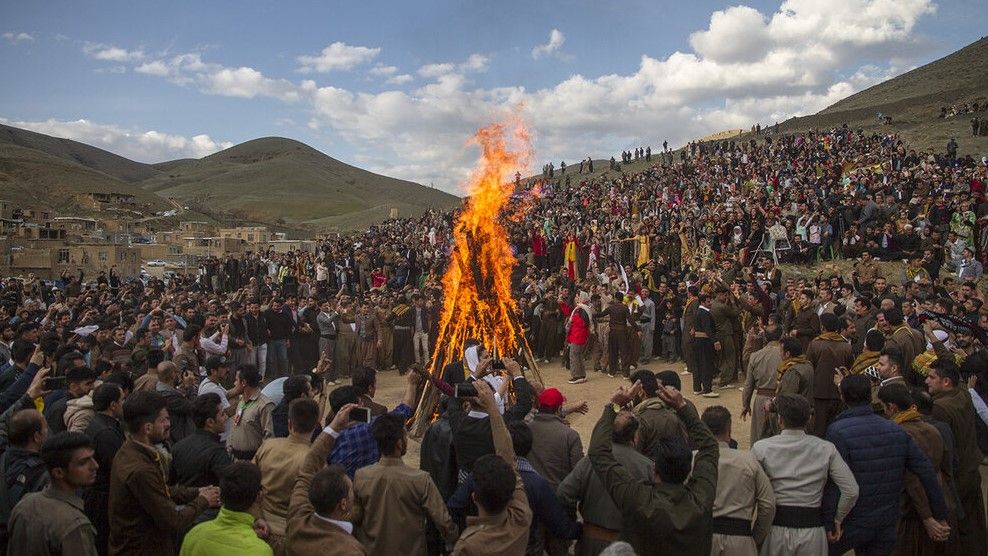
(322,499)
(805,322)
(557,447)
(952,404)
(143,516)
(504,514)
(918,531)
(827,352)
(909,342)
(390,493)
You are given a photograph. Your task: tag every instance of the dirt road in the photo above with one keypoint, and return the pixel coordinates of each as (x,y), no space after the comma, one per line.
(596,391)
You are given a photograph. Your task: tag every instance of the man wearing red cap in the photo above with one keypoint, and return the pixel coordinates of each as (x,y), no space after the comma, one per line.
(557,447)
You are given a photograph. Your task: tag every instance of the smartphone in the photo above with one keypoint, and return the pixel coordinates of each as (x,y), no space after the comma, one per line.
(464,390)
(498,365)
(360,415)
(55,383)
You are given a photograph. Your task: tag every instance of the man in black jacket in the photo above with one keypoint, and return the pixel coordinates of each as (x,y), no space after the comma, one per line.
(107,436)
(281,326)
(179,406)
(199,459)
(80,382)
(472,429)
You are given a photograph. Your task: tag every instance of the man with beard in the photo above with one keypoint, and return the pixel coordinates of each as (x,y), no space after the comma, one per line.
(144,518)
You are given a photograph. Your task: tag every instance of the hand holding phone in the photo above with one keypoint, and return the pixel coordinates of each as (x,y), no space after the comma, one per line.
(360,415)
(464,390)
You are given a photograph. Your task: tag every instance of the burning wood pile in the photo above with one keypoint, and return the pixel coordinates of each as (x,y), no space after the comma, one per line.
(477,301)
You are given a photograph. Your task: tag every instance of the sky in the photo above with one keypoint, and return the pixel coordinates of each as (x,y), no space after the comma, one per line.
(398,88)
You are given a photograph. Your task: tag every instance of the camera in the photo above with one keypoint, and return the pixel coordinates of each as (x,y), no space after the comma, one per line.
(498,365)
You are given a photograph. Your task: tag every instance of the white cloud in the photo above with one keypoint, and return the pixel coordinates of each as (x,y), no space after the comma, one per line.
(400,79)
(797,60)
(383,71)
(476,63)
(556,40)
(143,146)
(248,83)
(216,79)
(435,70)
(108,53)
(14,38)
(337,56)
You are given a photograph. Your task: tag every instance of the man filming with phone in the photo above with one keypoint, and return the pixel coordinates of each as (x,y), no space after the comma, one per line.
(356,448)
(470,423)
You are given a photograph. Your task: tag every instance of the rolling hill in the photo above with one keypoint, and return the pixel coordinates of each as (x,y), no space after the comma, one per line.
(913,100)
(272,180)
(36,179)
(282,180)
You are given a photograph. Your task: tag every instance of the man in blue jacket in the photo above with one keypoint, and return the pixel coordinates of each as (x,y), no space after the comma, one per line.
(878,452)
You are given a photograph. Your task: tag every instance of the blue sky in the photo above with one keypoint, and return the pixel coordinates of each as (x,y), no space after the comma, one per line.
(398,87)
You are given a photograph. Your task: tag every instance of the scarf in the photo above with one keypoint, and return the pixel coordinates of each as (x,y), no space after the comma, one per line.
(863,361)
(830,337)
(580,304)
(906,415)
(786,365)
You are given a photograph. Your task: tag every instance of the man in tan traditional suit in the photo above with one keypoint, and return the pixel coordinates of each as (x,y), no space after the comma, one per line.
(745,503)
(280,460)
(322,499)
(394,499)
(760,383)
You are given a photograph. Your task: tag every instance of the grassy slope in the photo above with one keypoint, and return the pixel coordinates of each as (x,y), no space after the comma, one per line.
(37,179)
(91,157)
(913,99)
(272,178)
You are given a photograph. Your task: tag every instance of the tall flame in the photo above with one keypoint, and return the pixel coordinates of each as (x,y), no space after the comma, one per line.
(477,301)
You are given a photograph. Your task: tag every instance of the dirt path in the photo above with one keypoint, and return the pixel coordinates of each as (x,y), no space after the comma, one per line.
(596,391)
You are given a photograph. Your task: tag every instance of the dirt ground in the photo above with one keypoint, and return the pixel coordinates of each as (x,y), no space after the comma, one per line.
(596,391)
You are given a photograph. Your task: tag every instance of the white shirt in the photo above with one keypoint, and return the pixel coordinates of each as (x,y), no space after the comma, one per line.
(212,346)
(208,386)
(345,525)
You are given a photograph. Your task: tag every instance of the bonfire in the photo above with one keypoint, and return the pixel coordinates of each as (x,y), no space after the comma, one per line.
(477,301)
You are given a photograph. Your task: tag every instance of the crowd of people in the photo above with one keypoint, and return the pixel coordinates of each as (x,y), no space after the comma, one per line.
(233,411)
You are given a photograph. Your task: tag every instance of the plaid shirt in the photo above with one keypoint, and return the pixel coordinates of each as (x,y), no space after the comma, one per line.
(356,447)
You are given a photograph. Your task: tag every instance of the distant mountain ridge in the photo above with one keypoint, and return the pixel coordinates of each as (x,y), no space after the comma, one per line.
(268,180)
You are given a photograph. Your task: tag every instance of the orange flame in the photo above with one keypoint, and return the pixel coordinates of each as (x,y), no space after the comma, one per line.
(477,300)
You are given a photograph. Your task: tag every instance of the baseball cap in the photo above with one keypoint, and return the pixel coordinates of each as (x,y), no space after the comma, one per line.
(551,398)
